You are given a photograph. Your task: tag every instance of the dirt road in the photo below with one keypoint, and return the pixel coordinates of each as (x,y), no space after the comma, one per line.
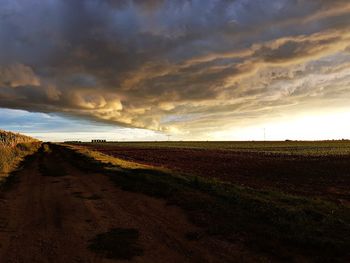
(55,210)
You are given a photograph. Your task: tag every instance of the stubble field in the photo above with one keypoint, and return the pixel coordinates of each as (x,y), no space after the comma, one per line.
(316,169)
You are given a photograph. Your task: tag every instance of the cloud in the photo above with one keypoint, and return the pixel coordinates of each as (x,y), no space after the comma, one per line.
(165,65)
(16,75)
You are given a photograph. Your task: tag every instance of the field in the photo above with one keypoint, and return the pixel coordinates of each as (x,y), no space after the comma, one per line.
(318,169)
(284,201)
(315,148)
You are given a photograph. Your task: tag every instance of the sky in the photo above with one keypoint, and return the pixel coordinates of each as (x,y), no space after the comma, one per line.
(184,70)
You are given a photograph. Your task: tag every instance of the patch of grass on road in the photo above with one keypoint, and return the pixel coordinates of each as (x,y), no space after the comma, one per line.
(50,164)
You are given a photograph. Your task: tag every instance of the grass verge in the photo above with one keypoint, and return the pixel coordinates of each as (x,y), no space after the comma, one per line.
(12,178)
(12,157)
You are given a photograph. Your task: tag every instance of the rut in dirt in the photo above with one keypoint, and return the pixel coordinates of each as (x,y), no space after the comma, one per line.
(55,212)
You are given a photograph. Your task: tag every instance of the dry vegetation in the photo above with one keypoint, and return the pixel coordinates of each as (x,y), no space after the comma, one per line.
(109,159)
(13,148)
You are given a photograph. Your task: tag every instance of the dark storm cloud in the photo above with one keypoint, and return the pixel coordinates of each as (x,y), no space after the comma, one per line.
(137,63)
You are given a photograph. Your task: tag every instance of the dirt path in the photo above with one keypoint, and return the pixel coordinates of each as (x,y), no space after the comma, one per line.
(51,215)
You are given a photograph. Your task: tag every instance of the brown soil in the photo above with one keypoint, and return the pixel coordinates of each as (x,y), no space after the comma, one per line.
(321,176)
(55,218)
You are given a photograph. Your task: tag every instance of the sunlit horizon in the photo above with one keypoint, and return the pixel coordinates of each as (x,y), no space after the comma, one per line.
(330,126)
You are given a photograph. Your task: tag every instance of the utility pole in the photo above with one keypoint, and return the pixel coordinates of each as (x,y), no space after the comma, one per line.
(264,134)
(168,137)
